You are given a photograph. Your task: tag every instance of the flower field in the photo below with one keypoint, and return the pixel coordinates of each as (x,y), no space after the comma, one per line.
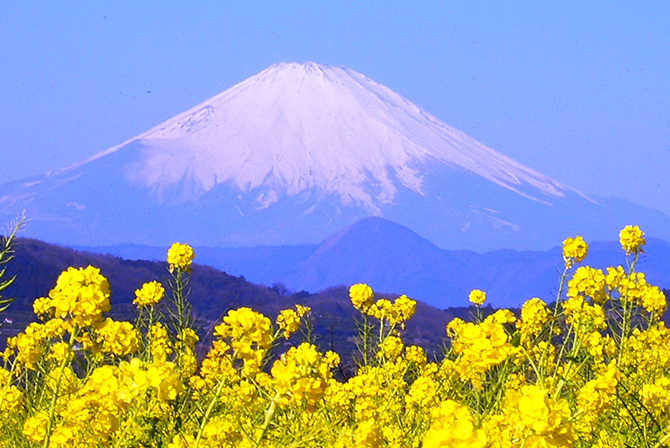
(589,368)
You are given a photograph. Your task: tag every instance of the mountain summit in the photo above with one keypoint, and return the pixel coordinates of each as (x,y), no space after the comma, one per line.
(292,155)
(299,127)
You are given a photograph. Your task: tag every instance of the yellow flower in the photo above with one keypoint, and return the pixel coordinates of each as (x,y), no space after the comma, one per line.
(289,321)
(454,326)
(180,256)
(403,309)
(42,307)
(163,377)
(416,354)
(480,347)
(477,297)
(160,343)
(534,314)
(80,294)
(574,250)
(631,239)
(59,351)
(600,392)
(588,282)
(245,327)
(301,375)
(656,397)
(182,441)
(220,431)
(503,316)
(391,348)
(422,392)
(30,344)
(583,316)
(453,427)
(188,338)
(69,382)
(11,399)
(367,434)
(381,309)
(150,294)
(120,338)
(302,310)
(540,419)
(361,295)
(35,428)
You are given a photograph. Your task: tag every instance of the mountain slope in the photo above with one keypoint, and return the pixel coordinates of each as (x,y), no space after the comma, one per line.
(392,258)
(38,264)
(294,154)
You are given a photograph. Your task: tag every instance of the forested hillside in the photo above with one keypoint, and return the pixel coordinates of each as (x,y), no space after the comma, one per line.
(37,265)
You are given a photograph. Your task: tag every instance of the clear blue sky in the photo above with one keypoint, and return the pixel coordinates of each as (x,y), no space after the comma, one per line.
(575,89)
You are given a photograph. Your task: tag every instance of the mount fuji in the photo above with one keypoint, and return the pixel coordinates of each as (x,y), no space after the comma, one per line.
(294,154)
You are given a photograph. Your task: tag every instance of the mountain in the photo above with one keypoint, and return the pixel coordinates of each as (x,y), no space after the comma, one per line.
(294,154)
(37,265)
(394,259)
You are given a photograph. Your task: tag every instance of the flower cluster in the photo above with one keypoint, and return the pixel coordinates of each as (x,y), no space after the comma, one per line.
(479,347)
(81,295)
(631,239)
(477,297)
(150,294)
(396,312)
(180,256)
(574,250)
(361,296)
(250,336)
(301,375)
(289,320)
(534,315)
(588,370)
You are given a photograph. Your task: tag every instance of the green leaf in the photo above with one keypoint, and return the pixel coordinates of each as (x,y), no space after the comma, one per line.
(6,255)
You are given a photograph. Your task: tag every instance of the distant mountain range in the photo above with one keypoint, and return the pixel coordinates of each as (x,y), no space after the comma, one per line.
(37,265)
(392,258)
(293,155)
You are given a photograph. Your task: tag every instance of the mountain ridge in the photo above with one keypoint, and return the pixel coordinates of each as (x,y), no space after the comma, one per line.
(394,259)
(297,152)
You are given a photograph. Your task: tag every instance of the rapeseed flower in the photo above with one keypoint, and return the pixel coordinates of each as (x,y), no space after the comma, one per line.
(81,295)
(301,375)
(631,239)
(289,321)
(118,338)
(361,296)
(477,297)
(453,427)
(80,379)
(180,256)
(534,315)
(150,294)
(574,250)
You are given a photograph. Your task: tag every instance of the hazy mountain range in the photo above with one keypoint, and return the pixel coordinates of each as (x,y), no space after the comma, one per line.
(37,265)
(394,259)
(295,154)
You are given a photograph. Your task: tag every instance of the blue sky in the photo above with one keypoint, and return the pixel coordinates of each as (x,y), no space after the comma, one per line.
(577,90)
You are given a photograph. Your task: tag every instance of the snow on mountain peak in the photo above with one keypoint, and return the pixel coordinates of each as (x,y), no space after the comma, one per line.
(297,127)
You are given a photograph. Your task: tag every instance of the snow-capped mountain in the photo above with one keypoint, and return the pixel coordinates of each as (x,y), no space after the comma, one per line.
(294,128)
(297,152)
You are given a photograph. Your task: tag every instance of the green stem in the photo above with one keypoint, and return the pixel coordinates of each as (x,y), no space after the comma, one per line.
(366,336)
(205,419)
(662,440)
(555,317)
(269,414)
(54,399)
